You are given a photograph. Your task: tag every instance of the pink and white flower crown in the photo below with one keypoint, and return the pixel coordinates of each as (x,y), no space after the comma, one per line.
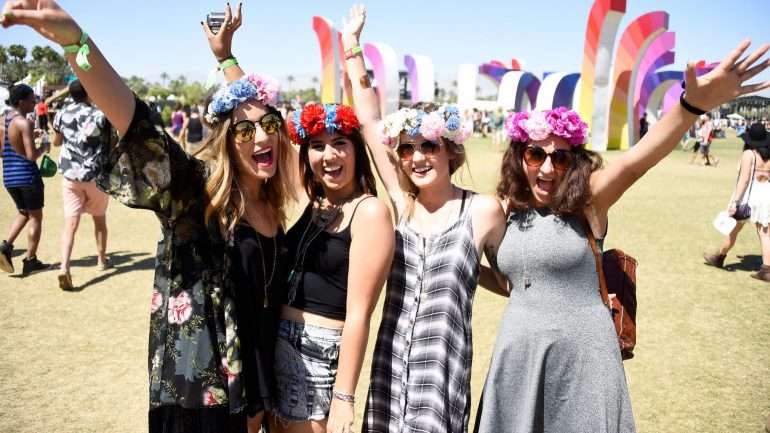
(444,122)
(538,125)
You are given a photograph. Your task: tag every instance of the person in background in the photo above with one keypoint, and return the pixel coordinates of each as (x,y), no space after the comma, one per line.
(84,134)
(177,120)
(21,178)
(41,111)
(192,130)
(643,125)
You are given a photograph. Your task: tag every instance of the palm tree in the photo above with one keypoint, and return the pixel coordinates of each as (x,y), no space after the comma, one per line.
(290,79)
(163,78)
(315,82)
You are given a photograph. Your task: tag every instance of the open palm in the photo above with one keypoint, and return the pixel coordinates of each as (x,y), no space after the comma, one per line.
(43,16)
(354,23)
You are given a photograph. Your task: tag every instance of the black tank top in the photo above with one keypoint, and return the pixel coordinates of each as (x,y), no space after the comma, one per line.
(194,130)
(323,283)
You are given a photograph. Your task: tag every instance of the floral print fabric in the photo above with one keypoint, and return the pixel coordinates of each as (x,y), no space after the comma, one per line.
(194,358)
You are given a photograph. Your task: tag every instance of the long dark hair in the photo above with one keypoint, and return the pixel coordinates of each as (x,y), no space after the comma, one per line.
(572,195)
(363,176)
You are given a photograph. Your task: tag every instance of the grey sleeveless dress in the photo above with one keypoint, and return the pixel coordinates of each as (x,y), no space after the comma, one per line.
(556,365)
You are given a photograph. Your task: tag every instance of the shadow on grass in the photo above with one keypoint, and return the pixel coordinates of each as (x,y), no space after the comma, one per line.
(122,263)
(750,262)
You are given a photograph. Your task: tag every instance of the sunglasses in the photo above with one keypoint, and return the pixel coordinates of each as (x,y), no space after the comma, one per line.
(535,156)
(406,151)
(245,130)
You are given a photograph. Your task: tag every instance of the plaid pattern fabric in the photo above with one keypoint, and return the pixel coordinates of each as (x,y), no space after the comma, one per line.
(422,360)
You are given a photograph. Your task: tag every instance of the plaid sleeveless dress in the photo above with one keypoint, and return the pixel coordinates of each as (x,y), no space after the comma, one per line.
(422,359)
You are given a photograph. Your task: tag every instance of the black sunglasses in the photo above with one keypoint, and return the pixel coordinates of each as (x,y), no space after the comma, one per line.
(245,130)
(561,159)
(406,151)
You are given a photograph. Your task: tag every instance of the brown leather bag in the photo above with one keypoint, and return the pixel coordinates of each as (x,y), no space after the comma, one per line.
(617,285)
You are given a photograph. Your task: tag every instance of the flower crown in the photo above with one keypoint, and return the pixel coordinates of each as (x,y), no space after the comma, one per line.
(262,88)
(538,125)
(444,122)
(315,118)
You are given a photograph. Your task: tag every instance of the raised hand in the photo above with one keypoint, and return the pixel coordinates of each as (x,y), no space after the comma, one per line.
(221,43)
(726,82)
(354,24)
(45,17)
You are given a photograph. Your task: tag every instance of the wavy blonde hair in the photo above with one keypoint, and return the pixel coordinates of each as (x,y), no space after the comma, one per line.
(226,201)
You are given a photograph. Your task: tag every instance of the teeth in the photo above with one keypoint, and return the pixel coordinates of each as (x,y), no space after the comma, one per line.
(421,169)
(330,169)
(263,151)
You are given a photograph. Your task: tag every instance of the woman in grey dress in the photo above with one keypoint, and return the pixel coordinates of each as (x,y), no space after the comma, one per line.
(556,365)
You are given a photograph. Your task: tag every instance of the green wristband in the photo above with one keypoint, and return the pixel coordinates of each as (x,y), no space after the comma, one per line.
(232,61)
(82,50)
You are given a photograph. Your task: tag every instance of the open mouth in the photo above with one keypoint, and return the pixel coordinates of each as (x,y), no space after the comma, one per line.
(545,185)
(333,171)
(422,171)
(263,157)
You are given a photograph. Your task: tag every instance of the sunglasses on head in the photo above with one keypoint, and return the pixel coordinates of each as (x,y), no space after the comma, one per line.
(406,151)
(535,156)
(245,130)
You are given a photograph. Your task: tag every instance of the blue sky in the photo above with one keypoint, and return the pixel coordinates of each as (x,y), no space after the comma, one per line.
(147,38)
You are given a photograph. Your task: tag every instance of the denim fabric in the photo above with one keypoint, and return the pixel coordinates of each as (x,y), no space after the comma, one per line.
(306,358)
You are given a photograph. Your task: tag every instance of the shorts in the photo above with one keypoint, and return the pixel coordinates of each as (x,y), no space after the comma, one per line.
(306,358)
(28,198)
(704,148)
(83,197)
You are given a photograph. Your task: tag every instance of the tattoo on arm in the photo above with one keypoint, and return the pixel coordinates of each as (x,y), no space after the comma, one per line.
(364,81)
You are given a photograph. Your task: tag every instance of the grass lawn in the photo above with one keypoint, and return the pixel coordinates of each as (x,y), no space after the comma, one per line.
(76,362)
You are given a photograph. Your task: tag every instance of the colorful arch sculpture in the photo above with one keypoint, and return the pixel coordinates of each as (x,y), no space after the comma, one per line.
(422,81)
(632,47)
(660,83)
(659,54)
(328,42)
(601,31)
(671,97)
(514,86)
(384,63)
(557,89)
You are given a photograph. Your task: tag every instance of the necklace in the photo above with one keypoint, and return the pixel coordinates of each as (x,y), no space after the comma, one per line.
(267,281)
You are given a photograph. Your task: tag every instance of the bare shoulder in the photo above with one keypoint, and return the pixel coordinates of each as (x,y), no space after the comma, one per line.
(371,210)
(487,207)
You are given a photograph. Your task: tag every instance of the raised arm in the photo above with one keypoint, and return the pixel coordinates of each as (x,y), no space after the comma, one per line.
(367,109)
(722,84)
(104,85)
(221,43)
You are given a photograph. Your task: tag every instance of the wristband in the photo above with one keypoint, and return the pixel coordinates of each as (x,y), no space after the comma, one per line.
(82,50)
(349,54)
(692,109)
(348,398)
(228,62)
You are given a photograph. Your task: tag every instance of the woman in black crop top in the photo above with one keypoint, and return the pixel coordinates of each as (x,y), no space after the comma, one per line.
(339,253)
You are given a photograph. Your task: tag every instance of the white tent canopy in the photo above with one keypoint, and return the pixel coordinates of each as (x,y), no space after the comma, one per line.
(735,116)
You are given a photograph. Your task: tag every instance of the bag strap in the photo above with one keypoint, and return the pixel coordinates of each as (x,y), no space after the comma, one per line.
(598,261)
(747,194)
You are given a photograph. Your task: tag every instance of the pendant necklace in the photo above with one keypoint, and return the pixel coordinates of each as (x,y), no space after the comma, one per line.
(267,281)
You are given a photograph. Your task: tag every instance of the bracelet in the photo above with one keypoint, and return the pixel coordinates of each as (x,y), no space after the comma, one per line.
(349,54)
(82,50)
(348,398)
(692,109)
(228,62)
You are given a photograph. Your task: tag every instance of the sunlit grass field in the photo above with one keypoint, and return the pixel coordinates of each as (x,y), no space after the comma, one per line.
(76,362)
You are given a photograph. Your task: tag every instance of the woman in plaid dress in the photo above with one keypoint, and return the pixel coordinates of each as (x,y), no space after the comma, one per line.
(422,360)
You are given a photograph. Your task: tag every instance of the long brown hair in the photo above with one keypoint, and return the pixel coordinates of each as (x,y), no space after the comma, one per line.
(572,195)
(363,175)
(226,201)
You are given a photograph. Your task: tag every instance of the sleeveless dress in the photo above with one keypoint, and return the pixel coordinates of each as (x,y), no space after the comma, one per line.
(556,365)
(759,197)
(422,359)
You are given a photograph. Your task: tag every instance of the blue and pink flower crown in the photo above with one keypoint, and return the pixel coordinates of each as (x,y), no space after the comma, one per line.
(314,119)
(262,88)
(444,122)
(538,125)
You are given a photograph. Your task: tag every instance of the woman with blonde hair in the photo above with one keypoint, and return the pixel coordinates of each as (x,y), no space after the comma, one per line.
(214,301)
(420,379)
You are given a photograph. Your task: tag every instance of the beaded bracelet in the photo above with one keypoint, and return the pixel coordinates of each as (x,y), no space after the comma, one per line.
(348,398)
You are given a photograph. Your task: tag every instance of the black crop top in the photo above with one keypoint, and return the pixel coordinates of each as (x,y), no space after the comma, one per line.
(323,283)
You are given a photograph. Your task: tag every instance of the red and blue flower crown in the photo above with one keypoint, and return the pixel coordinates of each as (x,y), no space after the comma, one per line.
(314,119)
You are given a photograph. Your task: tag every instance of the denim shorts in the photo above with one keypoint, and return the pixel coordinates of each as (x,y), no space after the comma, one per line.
(306,358)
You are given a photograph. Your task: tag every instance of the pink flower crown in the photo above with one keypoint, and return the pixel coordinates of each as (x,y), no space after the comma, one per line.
(538,125)
(444,122)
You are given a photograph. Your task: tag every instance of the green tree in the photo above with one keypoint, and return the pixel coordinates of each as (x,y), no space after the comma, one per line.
(47,62)
(3,56)
(163,78)
(290,80)
(138,85)
(18,52)
(17,68)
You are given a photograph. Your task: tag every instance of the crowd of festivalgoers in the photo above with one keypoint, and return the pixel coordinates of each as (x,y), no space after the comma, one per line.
(256,325)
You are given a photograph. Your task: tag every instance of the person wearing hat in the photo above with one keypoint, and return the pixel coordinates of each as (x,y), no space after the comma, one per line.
(751,198)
